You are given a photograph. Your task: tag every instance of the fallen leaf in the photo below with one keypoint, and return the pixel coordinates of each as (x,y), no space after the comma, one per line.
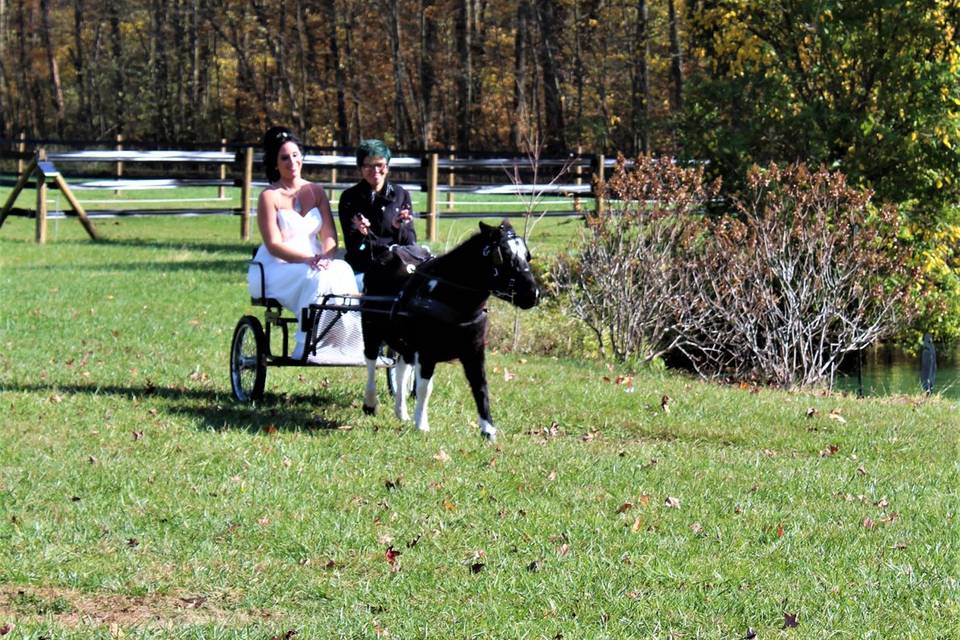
(882,503)
(56,398)
(790,620)
(552,476)
(665,403)
(626,506)
(384,539)
(835,415)
(697,528)
(7,628)
(637,524)
(829,451)
(287,462)
(477,567)
(413,542)
(391,555)
(862,470)
(194,602)
(270,429)
(286,636)
(811,412)
(535,566)
(868,523)
(644,500)
(442,456)
(449,506)
(138,435)
(779,530)
(507,376)
(92,460)
(751,634)
(672,503)
(133,543)
(563,550)
(395,483)
(264,521)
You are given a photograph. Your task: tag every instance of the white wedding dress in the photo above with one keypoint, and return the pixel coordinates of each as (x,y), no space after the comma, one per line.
(296,285)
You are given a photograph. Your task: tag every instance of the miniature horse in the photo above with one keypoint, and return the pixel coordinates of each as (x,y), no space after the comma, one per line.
(440,315)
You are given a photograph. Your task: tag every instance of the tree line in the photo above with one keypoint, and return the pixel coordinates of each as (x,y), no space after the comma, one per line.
(478,74)
(871,88)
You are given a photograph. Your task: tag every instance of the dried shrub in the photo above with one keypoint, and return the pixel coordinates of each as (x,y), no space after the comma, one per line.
(803,272)
(806,273)
(625,282)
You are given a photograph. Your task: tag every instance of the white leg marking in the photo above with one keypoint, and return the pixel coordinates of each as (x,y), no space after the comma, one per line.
(487,430)
(424,388)
(401,375)
(370,392)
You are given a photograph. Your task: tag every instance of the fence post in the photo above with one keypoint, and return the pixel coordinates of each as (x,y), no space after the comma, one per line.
(578,171)
(245,190)
(432,211)
(222,190)
(41,226)
(119,162)
(333,174)
(21,149)
(598,187)
(451,178)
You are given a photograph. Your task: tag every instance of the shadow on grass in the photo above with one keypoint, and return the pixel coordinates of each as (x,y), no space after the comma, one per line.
(216,411)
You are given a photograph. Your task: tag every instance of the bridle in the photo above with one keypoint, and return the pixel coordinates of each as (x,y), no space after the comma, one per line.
(512,245)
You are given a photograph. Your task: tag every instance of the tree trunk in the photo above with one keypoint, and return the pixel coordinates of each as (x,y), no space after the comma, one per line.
(523,117)
(52,64)
(549,20)
(464,79)
(332,29)
(392,17)
(428,76)
(4,106)
(641,81)
(676,61)
(117,62)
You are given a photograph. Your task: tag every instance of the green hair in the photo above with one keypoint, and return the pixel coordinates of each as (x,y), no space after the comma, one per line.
(374,148)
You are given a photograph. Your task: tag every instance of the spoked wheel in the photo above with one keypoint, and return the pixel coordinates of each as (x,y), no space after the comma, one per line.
(248,360)
(391,374)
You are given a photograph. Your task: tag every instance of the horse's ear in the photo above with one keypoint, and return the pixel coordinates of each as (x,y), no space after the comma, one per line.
(486,229)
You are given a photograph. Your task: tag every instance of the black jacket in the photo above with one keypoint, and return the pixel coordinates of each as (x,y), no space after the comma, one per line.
(380,209)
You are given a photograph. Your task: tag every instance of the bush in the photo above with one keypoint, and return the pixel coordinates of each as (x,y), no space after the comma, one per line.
(802,272)
(625,280)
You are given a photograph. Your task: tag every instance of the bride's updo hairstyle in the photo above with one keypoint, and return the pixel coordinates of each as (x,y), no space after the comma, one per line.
(273,139)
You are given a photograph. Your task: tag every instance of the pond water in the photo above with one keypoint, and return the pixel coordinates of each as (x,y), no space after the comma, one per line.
(891,371)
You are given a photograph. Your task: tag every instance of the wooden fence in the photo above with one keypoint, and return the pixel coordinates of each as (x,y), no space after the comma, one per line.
(179,168)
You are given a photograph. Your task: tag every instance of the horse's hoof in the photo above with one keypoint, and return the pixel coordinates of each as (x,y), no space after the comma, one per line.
(423,428)
(489,436)
(369,411)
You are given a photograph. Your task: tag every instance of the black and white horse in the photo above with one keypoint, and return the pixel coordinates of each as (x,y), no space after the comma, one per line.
(440,315)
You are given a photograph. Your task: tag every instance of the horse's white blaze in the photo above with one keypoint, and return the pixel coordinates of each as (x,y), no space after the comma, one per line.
(401,373)
(424,388)
(370,392)
(487,428)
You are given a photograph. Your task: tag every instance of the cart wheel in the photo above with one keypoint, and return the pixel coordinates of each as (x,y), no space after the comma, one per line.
(391,375)
(248,360)
(391,372)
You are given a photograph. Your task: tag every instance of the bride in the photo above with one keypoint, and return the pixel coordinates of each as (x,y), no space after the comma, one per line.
(299,242)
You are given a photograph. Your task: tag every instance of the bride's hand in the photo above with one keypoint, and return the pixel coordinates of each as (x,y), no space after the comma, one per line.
(319,262)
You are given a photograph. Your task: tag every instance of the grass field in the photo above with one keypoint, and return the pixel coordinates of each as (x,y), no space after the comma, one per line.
(137,500)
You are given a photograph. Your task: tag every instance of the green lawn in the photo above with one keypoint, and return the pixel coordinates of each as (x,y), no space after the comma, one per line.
(138,500)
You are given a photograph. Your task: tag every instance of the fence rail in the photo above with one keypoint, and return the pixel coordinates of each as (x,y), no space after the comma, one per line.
(415,173)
